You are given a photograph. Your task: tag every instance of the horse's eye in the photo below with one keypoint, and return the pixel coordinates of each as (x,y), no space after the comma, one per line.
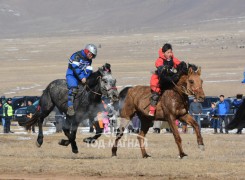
(105,81)
(191,81)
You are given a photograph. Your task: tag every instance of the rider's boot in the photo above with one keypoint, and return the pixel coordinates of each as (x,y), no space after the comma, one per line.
(70,111)
(71,97)
(152,110)
(153,102)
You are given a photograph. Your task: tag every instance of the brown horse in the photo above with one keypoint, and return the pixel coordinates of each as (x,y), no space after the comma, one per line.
(173,104)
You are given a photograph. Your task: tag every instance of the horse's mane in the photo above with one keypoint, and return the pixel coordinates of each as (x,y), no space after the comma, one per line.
(92,80)
(166,80)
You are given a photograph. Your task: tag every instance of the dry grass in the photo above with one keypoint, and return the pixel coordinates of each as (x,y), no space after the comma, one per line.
(222,159)
(29,65)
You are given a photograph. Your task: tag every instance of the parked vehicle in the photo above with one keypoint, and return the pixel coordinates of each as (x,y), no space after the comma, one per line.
(206,108)
(20,114)
(55,116)
(21,101)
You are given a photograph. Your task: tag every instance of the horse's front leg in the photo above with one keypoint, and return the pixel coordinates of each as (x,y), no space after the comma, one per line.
(66,129)
(118,137)
(189,120)
(174,128)
(98,133)
(72,137)
(123,123)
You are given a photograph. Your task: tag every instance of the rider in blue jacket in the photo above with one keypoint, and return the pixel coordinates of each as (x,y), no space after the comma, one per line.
(79,69)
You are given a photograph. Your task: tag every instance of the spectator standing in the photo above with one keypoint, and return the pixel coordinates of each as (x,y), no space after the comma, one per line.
(1,112)
(196,110)
(223,110)
(105,120)
(214,118)
(29,113)
(136,124)
(8,114)
(236,103)
(243,81)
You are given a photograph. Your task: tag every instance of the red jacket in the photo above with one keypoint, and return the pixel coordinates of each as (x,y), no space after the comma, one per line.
(161,59)
(154,83)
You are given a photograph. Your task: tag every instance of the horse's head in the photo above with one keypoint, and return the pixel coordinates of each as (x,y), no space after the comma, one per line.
(108,83)
(194,83)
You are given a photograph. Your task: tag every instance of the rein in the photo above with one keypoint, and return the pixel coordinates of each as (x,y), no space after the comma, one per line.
(92,90)
(184,89)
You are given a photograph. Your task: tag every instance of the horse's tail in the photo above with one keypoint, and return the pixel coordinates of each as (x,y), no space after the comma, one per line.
(239,120)
(34,118)
(122,95)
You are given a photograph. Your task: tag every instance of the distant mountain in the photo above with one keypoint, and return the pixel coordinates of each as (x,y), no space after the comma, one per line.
(61,17)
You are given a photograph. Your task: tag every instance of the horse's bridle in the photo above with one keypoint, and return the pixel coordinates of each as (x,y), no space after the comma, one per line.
(185,90)
(113,87)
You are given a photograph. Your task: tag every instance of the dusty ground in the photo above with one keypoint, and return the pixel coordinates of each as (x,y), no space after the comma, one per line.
(29,64)
(223,157)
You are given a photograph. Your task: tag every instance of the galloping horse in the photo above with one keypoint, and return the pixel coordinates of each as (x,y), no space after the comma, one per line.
(86,104)
(173,104)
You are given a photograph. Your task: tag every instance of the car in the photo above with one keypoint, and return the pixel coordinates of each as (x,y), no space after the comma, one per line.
(20,114)
(55,116)
(21,101)
(206,108)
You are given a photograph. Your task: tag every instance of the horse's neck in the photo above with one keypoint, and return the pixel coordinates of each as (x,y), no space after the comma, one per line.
(94,91)
(92,87)
(181,85)
(93,82)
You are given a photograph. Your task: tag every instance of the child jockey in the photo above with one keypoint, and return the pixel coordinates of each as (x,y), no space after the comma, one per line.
(79,69)
(166,58)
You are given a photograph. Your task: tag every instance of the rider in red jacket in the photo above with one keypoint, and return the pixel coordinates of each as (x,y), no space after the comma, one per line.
(166,58)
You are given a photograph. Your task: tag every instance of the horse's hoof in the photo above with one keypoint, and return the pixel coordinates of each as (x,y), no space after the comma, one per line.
(114,156)
(75,151)
(182,156)
(64,142)
(146,156)
(38,145)
(201,147)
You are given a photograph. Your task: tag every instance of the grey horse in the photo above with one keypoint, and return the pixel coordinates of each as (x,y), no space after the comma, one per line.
(87,103)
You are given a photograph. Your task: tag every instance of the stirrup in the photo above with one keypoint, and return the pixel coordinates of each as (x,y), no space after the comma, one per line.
(70,111)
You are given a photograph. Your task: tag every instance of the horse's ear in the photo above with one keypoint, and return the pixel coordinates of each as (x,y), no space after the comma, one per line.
(190,71)
(101,70)
(199,71)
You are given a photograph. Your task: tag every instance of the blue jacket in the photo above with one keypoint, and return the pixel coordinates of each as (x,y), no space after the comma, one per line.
(79,65)
(223,108)
(237,103)
(213,113)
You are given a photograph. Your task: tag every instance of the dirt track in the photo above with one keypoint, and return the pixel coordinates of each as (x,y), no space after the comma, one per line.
(37,61)
(222,159)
